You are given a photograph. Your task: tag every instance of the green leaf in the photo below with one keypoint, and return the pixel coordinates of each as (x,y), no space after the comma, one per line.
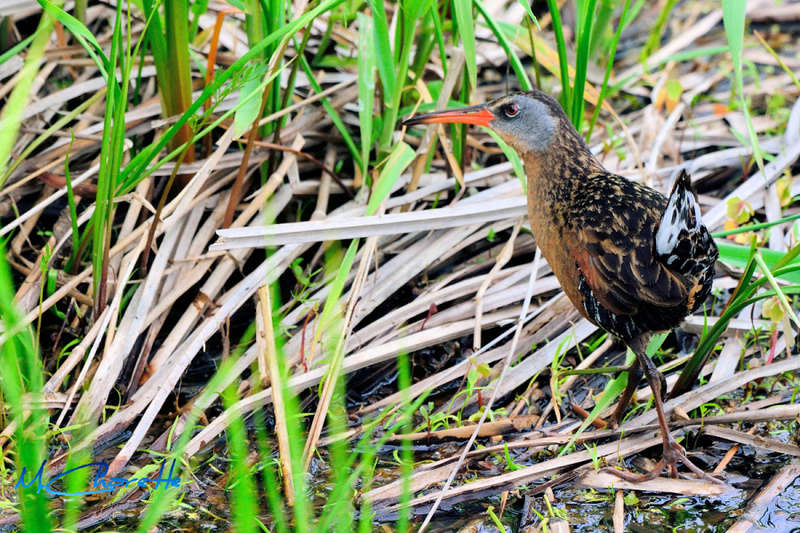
(249,101)
(582,64)
(674,89)
(530,14)
(383,49)
(630,499)
(738,256)
(561,46)
(16,49)
(81,33)
(624,18)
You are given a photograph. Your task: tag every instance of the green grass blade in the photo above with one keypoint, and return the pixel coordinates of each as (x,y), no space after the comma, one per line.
(600,25)
(610,65)
(111,152)
(656,32)
(81,34)
(406,454)
(582,63)
(733,17)
(561,46)
(21,383)
(516,64)
(400,158)
(16,49)
(367,65)
(383,48)
(243,494)
(73,211)
(333,114)
(10,119)
(773,282)
(755,227)
(512,156)
(439,32)
(466,29)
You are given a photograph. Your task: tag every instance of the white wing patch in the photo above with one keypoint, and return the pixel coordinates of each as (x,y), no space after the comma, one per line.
(683,243)
(681,218)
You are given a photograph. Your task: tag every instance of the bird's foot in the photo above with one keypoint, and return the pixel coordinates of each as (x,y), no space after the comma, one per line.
(674,453)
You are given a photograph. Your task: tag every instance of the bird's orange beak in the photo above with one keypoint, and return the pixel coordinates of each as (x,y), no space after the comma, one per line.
(477,114)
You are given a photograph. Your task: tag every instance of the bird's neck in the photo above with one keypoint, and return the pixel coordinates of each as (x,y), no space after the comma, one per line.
(557,175)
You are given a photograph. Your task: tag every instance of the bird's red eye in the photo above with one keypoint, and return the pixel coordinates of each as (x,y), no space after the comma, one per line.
(511,109)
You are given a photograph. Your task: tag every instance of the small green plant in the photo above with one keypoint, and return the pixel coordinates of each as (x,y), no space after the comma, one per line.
(510,464)
(495,520)
(554,512)
(556,380)
(433,421)
(596,464)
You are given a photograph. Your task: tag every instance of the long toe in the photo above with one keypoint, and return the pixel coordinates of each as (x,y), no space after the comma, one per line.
(637,478)
(673,455)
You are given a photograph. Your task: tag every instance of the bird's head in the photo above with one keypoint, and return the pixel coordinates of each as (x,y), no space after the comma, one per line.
(528,121)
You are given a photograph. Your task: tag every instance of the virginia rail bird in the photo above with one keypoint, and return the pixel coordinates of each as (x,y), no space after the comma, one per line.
(630,260)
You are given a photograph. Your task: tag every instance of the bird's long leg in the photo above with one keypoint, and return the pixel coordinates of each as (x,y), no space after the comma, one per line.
(651,368)
(673,452)
(634,377)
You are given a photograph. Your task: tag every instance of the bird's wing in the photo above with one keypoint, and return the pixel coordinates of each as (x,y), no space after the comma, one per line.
(613,246)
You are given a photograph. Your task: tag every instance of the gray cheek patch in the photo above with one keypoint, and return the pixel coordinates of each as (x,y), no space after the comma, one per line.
(535,128)
(541,134)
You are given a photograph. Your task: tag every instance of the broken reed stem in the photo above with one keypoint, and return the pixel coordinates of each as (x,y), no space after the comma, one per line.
(502,260)
(323,195)
(505,364)
(619,512)
(335,368)
(268,361)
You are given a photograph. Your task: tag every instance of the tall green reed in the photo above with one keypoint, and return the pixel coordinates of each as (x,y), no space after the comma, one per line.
(394,60)
(21,382)
(111,153)
(591,24)
(169,44)
(733,16)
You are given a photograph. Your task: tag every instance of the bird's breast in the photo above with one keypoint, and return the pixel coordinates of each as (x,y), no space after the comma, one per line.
(548,230)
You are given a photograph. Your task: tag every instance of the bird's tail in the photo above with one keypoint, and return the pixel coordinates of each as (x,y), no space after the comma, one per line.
(682,241)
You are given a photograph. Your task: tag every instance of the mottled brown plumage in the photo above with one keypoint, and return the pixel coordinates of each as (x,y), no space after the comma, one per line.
(629,259)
